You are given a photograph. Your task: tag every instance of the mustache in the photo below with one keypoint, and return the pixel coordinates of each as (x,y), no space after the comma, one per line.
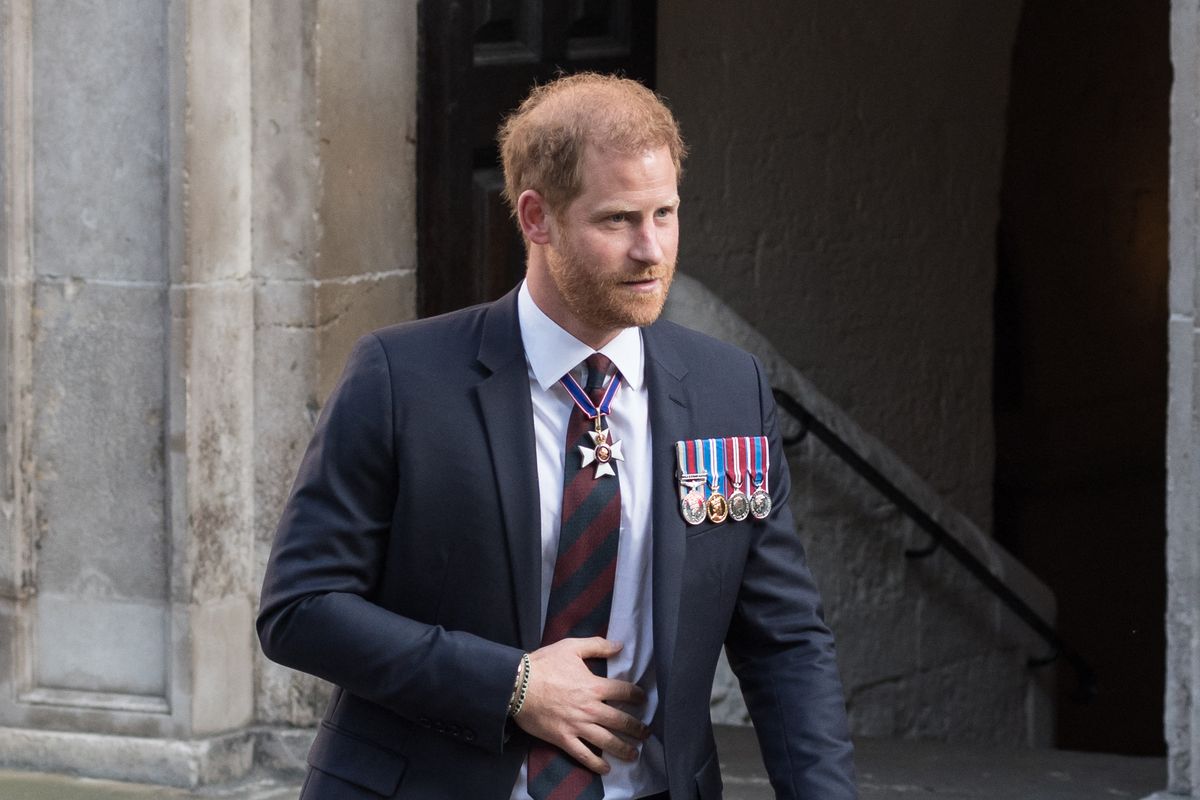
(656,272)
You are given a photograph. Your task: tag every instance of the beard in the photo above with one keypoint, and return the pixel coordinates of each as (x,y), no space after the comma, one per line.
(602,300)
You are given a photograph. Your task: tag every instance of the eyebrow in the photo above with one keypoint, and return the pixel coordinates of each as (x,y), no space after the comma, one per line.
(620,208)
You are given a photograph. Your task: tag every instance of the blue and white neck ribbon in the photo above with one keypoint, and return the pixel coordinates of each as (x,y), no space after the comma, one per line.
(580,395)
(604,450)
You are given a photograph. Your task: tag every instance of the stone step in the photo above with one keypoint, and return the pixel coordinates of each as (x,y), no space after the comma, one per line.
(888,770)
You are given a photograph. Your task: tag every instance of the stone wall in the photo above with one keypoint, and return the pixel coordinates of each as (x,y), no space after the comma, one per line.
(334,239)
(1183,410)
(843,197)
(206,203)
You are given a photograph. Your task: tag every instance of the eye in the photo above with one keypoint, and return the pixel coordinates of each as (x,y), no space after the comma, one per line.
(618,217)
(664,212)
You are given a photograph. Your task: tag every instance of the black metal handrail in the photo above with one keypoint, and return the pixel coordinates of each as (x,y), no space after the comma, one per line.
(1085,677)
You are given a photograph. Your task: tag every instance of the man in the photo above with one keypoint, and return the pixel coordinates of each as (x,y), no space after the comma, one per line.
(488,549)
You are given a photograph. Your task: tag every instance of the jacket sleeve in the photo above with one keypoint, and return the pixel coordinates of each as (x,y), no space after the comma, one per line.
(783,653)
(318,613)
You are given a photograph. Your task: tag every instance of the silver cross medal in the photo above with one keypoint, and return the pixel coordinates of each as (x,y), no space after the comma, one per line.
(603,452)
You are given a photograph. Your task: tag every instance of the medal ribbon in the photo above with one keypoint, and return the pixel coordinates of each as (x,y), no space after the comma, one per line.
(766,465)
(714,465)
(696,461)
(590,409)
(685,454)
(761,469)
(735,462)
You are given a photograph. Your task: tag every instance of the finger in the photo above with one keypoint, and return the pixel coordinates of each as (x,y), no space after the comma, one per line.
(597,647)
(609,742)
(617,691)
(584,755)
(619,722)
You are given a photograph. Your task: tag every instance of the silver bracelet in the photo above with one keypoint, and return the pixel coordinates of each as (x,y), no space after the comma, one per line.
(517,701)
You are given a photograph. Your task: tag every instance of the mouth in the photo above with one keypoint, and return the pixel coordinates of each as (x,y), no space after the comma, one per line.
(643,285)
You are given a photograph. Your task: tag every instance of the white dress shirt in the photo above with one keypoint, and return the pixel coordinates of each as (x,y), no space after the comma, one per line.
(551,352)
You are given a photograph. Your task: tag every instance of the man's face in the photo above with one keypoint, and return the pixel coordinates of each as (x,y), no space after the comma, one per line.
(612,251)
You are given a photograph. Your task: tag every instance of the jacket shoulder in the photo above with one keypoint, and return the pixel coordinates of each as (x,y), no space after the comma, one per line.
(446,338)
(699,350)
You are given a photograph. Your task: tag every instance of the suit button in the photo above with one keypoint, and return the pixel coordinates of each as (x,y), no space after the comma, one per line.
(454,730)
(439,727)
(424,722)
(468,734)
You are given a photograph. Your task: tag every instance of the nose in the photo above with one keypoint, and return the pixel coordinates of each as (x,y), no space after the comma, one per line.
(646,248)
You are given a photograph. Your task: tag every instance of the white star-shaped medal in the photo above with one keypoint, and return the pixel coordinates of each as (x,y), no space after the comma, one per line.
(603,452)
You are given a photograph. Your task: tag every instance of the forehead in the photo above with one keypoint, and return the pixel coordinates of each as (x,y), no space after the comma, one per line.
(647,175)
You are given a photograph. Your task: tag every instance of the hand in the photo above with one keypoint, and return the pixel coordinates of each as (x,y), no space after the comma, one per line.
(567,706)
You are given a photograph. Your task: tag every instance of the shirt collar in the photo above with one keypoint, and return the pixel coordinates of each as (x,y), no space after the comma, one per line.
(552,352)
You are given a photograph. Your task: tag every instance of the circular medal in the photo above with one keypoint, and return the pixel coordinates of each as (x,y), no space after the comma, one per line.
(603,454)
(739,505)
(718,509)
(760,504)
(692,506)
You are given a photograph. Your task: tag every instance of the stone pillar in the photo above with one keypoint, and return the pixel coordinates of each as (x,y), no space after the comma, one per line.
(207,201)
(1182,722)
(334,236)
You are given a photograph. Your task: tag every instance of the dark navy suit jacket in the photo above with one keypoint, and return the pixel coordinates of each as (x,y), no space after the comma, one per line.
(406,570)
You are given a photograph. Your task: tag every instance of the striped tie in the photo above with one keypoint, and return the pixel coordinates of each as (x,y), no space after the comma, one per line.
(581,594)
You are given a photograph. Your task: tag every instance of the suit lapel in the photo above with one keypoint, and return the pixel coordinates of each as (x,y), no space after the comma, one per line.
(507,412)
(669,422)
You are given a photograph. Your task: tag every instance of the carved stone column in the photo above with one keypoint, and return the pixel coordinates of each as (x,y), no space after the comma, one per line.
(207,201)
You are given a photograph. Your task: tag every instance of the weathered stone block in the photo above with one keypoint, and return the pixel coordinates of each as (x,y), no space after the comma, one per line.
(9,570)
(97,456)
(287,697)
(163,761)
(971,701)
(89,644)
(347,309)
(957,616)
(100,131)
(286,172)
(285,369)
(368,138)
(284,304)
(872,710)
(222,696)
(877,644)
(219,443)
(218,163)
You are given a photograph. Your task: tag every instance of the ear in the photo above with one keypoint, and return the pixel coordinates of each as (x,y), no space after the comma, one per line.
(534,217)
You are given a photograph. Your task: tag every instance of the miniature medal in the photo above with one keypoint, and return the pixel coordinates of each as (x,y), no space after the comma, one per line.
(760,504)
(760,498)
(691,483)
(717,507)
(739,504)
(692,503)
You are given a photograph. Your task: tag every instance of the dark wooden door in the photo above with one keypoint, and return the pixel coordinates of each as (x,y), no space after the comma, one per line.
(478,59)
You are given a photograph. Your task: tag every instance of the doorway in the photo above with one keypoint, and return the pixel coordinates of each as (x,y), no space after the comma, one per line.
(1081,350)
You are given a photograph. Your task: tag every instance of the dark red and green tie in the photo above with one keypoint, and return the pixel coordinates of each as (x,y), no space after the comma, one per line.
(581,593)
